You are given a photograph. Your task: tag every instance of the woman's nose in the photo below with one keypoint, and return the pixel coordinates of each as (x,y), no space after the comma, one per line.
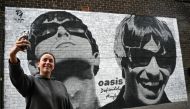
(62,33)
(47,62)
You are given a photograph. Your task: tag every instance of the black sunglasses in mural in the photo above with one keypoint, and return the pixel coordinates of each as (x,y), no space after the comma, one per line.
(142,57)
(50,29)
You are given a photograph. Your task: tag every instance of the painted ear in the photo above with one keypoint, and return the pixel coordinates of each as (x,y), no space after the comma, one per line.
(96,59)
(33,67)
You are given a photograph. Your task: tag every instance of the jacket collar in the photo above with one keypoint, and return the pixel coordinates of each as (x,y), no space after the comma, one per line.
(42,77)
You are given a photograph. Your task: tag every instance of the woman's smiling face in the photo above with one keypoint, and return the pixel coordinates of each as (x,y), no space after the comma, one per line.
(46,65)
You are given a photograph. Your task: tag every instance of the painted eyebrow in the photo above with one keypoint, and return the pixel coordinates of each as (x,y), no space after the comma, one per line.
(56,21)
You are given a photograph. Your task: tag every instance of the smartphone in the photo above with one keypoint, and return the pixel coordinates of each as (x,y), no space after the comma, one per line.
(25,36)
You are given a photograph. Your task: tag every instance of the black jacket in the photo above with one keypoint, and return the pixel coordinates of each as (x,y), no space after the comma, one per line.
(39,92)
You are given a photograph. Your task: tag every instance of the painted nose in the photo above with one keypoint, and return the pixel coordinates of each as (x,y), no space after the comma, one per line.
(153,70)
(62,33)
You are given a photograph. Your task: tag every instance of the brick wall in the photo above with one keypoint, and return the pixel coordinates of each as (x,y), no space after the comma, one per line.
(164,8)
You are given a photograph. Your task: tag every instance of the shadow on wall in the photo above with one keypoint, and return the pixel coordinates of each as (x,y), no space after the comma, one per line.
(187,71)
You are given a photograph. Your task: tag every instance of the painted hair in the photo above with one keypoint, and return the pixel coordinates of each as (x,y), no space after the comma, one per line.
(74,24)
(135,31)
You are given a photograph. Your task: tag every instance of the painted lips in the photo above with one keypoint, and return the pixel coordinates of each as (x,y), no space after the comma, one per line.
(152,87)
(65,44)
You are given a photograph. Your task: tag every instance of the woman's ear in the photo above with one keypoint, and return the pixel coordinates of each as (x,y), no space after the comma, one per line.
(37,64)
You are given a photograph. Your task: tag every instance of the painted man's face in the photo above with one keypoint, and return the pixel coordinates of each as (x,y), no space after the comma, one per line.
(74,60)
(148,73)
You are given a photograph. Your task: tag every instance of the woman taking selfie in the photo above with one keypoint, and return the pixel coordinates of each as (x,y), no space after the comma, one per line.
(40,91)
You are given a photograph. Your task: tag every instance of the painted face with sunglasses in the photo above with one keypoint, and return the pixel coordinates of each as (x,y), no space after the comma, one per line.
(75,51)
(148,71)
(146,52)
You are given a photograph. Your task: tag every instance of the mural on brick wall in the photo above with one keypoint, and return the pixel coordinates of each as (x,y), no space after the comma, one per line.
(105,60)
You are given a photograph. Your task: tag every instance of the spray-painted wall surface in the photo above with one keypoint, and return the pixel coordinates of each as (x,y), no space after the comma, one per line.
(100,56)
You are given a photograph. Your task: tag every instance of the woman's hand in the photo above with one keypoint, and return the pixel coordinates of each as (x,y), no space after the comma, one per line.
(21,44)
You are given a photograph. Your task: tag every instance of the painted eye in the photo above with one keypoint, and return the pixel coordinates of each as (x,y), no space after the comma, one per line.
(48,31)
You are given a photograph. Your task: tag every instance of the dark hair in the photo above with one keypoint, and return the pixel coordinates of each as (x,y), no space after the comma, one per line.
(136,31)
(36,28)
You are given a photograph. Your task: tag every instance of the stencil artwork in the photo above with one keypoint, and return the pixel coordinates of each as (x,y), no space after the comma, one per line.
(18,16)
(100,56)
(145,50)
